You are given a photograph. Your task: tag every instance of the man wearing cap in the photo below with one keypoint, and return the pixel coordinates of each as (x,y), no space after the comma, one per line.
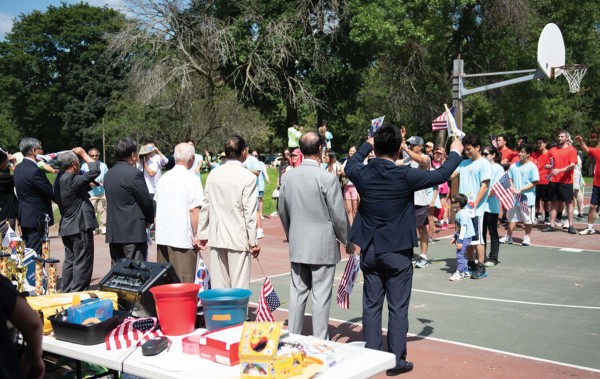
(151,163)
(228,218)
(424,197)
(564,158)
(35,194)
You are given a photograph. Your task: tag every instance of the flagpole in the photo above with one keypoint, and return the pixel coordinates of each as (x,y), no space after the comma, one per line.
(261,268)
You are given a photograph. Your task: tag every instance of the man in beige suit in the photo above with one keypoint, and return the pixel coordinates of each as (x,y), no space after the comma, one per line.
(228,218)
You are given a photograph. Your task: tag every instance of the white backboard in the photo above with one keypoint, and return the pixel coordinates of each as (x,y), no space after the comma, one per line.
(551,50)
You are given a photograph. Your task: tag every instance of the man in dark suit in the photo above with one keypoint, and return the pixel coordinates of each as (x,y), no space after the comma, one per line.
(129,205)
(385,230)
(35,195)
(78,218)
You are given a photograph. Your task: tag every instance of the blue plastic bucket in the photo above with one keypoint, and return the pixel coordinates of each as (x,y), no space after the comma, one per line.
(224,307)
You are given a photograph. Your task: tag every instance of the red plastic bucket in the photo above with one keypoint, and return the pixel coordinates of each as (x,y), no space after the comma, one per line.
(176,307)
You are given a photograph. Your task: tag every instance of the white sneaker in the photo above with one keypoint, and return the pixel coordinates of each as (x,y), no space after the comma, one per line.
(421,263)
(457,276)
(274,214)
(566,225)
(557,224)
(526,241)
(260,233)
(587,231)
(506,239)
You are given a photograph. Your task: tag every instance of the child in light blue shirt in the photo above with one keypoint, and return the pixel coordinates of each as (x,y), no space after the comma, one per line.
(462,238)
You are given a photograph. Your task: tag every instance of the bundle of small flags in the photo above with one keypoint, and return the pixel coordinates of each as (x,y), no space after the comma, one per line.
(347,281)
(132,332)
(267,302)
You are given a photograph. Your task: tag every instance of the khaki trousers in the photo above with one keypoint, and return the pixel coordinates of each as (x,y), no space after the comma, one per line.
(229,268)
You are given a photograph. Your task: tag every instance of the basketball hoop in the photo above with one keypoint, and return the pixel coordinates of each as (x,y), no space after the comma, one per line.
(574,74)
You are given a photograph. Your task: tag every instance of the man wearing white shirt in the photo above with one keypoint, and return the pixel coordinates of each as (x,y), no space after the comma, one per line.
(178,198)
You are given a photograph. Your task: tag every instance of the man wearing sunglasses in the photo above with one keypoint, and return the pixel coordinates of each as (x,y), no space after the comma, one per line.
(97,192)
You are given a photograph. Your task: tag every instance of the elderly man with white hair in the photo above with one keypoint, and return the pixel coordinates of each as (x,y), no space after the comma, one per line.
(78,219)
(178,198)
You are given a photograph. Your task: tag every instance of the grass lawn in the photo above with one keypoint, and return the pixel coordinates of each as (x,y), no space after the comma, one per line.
(270,205)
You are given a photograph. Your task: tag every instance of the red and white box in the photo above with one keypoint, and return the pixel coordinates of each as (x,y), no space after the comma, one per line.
(222,345)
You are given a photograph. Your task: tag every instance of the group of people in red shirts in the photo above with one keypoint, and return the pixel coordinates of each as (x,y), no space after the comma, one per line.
(557,167)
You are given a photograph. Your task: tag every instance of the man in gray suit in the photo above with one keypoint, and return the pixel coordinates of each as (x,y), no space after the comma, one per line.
(78,219)
(311,210)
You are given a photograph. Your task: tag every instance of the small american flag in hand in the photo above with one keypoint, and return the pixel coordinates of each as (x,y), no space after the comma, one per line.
(267,303)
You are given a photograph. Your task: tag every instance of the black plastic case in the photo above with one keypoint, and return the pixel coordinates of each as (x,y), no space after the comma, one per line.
(155,345)
(85,334)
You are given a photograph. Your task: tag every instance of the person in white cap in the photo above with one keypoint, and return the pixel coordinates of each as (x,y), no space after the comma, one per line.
(423,198)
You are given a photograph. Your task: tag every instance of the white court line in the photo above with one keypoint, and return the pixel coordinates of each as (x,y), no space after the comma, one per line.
(469,345)
(270,276)
(506,301)
(507,353)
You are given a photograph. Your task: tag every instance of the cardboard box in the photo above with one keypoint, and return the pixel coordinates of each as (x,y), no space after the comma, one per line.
(222,345)
(263,357)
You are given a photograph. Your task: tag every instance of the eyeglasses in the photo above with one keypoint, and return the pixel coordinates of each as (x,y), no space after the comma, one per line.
(255,155)
(485,154)
(94,156)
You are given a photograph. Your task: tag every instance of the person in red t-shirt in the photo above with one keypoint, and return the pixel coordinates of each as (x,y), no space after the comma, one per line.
(541,158)
(507,154)
(564,157)
(593,152)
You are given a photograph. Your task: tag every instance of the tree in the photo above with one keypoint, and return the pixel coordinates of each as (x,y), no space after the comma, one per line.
(55,75)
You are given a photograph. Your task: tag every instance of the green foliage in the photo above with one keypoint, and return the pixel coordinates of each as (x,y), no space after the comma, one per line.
(55,76)
(251,67)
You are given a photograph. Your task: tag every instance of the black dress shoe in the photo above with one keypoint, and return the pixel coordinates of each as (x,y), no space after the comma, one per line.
(399,370)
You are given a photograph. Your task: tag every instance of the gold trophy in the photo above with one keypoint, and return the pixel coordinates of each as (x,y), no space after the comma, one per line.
(41,261)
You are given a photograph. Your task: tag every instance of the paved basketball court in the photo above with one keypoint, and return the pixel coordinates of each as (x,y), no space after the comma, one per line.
(536,315)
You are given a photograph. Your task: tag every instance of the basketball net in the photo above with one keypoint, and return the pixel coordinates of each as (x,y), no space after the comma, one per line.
(574,73)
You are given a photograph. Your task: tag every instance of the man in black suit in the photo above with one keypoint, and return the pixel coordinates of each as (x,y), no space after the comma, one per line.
(78,218)
(129,205)
(385,230)
(35,195)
